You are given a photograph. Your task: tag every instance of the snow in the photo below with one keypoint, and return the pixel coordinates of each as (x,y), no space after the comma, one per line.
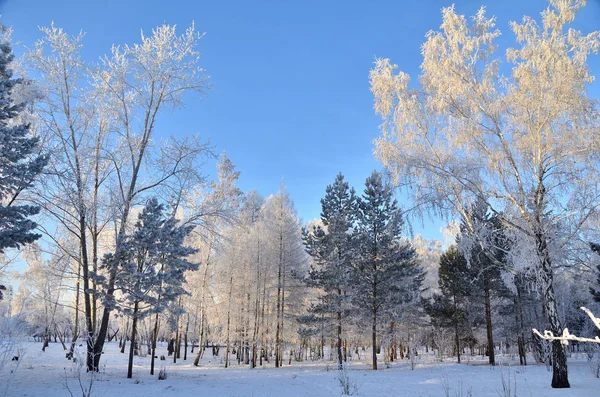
(44,373)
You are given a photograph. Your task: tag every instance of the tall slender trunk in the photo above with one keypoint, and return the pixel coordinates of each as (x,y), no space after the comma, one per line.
(519,321)
(374,339)
(281,338)
(132,341)
(94,229)
(81,214)
(179,333)
(262,320)
(91,356)
(125,336)
(339,331)
(456,335)
(76,320)
(278,308)
(187,328)
(95,268)
(202,295)
(177,344)
(255,328)
(154,337)
(488,317)
(229,318)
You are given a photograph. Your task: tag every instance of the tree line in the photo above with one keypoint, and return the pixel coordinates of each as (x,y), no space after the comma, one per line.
(139,245)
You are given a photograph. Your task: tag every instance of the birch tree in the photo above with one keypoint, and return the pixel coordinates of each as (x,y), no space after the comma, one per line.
(527,143)
(132,86)
(75,127)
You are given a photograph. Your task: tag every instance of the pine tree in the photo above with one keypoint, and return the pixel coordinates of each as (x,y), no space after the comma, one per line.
(386,273)
(20,162)
(151,268)
(449,309)
(331,248)
(486,275)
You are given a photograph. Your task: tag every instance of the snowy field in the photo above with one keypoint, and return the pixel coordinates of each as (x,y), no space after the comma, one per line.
(46,374)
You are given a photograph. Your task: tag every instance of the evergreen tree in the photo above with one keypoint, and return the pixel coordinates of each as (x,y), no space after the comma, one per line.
(151,268)
(386,272)
(20,162)
(486,275)
(331,248)
(449,309)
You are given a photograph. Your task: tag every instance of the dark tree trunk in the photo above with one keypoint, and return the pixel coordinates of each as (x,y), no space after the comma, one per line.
(488,318)
(185,337)
(374,339)
(519,321)
(457,342)
(125,336)
(339,333)
(154,337)
(132,341)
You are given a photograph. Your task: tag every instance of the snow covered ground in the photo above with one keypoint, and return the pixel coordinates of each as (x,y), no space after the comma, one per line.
(46,374)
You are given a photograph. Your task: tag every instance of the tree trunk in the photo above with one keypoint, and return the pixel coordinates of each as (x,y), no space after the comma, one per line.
(125,336)
(278,330)
(339,332)
(228,320)
(519,321)
(176,344)
(488,318)
(185,336)
(560,375)
(132,341)
(202,294)
(374,339)
(457,341)
(154,337)
(76,320)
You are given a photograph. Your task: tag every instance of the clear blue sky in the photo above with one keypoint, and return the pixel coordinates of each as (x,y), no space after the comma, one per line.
(291,97)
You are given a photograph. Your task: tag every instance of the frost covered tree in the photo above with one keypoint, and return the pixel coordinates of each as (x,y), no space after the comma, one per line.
(331,247)
(284,236)
(385,273)
(526,142)
(75,123)
(485,273)
(20,161)
(150,268)
(99,121)
(215,212)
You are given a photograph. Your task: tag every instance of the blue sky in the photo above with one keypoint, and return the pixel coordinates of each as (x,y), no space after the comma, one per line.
(291,94)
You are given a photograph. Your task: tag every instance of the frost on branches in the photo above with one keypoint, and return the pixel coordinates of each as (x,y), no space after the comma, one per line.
(566,336)
(525,143)
(20,162)
(150,268)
